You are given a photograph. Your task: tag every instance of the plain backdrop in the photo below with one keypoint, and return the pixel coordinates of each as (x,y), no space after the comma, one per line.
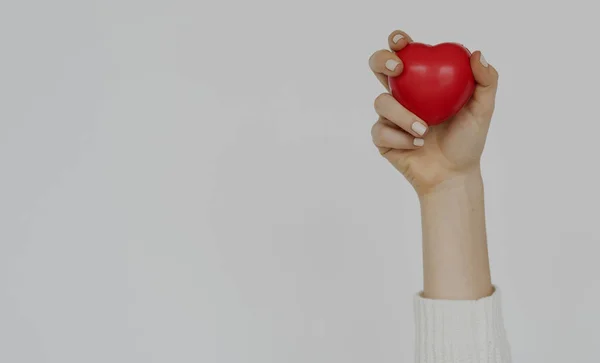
(193,181)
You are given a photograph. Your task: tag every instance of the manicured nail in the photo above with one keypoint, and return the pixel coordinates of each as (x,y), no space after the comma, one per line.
(397,38)
(418,142)
(483,61)
(391,64)
(419,128)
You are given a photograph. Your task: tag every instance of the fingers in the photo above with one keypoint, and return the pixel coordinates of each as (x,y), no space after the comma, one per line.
(385,64)
(486,75)
(387,107)
(387,136)
(398,40)
(486,78)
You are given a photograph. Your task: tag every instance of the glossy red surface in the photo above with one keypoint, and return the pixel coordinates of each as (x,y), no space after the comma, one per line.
(437,81)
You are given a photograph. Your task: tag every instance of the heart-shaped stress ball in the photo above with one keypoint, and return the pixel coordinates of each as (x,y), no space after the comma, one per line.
(437,81)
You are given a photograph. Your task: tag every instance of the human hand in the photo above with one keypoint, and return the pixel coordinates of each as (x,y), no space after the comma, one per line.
(432,156)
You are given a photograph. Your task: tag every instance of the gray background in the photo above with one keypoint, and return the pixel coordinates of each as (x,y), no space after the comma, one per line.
(192,181)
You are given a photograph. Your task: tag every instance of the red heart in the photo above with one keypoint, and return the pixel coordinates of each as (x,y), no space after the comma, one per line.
(437,81)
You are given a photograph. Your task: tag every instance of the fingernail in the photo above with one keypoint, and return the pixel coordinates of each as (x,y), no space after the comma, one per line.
(418,142)
(419,128)
(391,64)
(482,60)
(397,38)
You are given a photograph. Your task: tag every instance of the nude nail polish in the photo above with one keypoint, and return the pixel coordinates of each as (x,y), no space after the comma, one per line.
(391,64)
(419,128)
(397,38)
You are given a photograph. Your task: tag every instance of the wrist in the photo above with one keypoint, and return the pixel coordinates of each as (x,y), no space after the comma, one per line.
(469,181)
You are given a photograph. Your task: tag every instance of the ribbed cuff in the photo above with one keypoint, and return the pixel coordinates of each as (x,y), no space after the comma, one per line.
(453,331)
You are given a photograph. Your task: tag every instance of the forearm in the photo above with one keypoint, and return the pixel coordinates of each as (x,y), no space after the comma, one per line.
(458,317)
(455,255)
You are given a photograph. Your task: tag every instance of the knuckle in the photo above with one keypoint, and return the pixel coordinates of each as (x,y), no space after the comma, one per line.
(376,56)
(494,73)
(371,60)
(381,52)
(376,132)
(380,102)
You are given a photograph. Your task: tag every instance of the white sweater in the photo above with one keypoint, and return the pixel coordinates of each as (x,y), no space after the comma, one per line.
(460,331)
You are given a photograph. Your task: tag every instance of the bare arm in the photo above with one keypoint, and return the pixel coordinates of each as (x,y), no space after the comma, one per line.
(455,255)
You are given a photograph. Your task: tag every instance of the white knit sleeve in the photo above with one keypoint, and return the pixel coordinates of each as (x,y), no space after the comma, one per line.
(460,331)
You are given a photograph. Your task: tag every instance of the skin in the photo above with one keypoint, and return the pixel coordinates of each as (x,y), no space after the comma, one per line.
(445,172)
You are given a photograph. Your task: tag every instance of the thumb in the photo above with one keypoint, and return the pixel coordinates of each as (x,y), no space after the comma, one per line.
(486,78)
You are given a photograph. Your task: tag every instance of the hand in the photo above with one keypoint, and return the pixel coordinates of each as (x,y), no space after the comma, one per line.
(429,157)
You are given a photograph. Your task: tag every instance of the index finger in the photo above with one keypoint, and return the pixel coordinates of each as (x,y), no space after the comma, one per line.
(386,63)
(398,39)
